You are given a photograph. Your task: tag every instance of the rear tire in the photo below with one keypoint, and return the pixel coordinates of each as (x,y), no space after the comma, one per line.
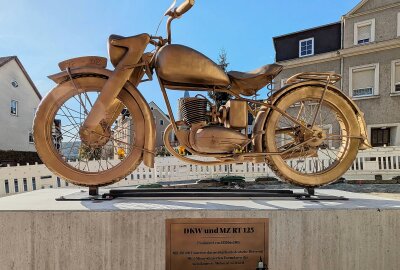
(335,154)
(95,166)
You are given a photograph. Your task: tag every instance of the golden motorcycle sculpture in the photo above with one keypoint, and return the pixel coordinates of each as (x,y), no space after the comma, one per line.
(308,132)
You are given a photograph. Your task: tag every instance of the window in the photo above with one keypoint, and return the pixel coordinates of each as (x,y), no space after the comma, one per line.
(364,32)
(66,184)
(306,47)
(33,183)
(14,107)
(364,81)
(30,136)
(380,137)
(398,24)
(396,76)
(58,182)
(14,84)
(16,185)
(25,184)
(161,122)
(6,186)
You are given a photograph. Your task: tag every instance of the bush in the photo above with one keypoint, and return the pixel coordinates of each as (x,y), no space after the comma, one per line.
(150,186)
(232,180)
(266,179)
(207,181)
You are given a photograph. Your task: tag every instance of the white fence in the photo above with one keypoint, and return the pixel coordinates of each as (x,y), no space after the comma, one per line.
(369,163)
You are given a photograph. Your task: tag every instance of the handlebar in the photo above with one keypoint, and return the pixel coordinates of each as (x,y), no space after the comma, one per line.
(184,7)
(174,13)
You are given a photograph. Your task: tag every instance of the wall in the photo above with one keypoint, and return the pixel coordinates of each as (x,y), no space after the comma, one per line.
(158,115)
(14,131)
(327,66)
(385,108)
(331,239)
(373,4)
(385,25)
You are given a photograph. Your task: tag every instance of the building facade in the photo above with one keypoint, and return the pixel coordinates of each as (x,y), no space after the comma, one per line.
(162,121)
(19,99)
(364,47)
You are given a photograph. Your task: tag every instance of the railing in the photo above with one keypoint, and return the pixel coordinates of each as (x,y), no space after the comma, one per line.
(370,164)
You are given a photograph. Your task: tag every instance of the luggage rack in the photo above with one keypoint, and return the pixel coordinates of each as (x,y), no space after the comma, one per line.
(197,193)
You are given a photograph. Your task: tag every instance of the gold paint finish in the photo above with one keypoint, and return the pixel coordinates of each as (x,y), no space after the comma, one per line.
(86,61)
(216,244)
(287,134)
(237,114)
(216,139)
(248,83)
(345,128)
(181,64)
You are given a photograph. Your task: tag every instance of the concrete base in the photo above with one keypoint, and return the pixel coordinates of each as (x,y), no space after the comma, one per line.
(39,233)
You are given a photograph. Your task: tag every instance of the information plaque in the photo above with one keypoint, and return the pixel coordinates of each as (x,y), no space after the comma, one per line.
(216,244)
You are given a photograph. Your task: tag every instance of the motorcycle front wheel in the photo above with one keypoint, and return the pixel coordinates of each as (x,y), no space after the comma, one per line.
(324,159)
(96,159)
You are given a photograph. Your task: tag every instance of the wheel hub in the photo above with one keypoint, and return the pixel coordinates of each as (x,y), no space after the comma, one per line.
(317,136)
(95,139)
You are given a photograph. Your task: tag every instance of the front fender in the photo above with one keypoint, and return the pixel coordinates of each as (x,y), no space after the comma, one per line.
(260,122)
(149,125)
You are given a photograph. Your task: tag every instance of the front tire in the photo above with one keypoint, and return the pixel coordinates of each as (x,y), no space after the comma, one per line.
(323,161)
(58,139)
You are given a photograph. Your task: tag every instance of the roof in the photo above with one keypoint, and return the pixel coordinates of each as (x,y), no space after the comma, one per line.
(359,5)
(5,60)
(161,111)
(305,30)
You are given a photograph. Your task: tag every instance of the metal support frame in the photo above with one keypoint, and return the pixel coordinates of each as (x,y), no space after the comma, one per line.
(196,193)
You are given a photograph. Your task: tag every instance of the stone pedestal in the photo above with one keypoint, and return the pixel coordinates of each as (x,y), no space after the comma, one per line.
(39,233)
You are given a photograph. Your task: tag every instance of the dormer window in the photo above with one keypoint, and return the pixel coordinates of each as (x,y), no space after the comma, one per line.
(364,32)
(306,47)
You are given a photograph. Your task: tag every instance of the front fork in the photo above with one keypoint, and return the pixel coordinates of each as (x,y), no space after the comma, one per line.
(106,106)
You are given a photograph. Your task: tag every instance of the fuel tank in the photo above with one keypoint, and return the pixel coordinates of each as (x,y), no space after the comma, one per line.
(181,64)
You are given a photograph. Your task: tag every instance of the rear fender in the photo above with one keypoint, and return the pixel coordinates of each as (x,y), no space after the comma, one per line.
(260,122)
(149,125)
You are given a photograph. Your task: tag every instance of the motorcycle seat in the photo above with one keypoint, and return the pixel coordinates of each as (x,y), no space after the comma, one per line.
(248,83)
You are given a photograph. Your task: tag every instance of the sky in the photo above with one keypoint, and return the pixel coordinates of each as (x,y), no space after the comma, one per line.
(44,32)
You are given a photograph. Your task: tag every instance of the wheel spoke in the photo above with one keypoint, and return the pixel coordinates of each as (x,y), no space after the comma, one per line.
(95,158)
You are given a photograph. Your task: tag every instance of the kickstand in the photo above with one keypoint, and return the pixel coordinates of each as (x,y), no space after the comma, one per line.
(310,191)
(94,191)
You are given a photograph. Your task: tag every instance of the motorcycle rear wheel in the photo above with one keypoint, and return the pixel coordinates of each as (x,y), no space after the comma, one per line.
(325,161)
(58,139)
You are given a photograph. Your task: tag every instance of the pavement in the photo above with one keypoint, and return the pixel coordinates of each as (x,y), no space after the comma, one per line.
(45,200)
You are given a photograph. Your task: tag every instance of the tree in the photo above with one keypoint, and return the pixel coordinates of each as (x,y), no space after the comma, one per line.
(220,98)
